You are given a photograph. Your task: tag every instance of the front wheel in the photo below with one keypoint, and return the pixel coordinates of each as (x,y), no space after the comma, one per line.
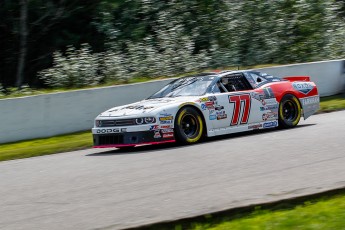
(189,126)
(289,111)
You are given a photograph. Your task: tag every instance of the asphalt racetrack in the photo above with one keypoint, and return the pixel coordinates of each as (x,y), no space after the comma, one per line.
(112,189)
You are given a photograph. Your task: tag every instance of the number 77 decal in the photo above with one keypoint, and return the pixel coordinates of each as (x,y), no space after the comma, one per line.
(237,101)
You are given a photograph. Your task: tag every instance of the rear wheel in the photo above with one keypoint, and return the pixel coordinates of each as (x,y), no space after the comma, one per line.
(289,111)
(189,125)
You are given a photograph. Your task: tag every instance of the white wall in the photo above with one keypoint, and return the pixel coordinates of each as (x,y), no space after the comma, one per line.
(329,76)
(59,113)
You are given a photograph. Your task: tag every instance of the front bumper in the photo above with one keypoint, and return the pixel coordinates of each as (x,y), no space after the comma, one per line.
(131,138)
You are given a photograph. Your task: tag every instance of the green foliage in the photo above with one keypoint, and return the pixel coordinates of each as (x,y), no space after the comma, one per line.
(150,38)
(77,69)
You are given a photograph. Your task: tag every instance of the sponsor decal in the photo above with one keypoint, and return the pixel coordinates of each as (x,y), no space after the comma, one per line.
(138,107)
(210,107)
(219,107)
(204,99)
(212,98)
(268,93)
(269,101)
(303,87)
(213,117)
(211,111)
(102,131)
(167,130)
(209,103)
(168,118)
(157,134)
(154,127)
(203,107)
(269,115)
(221,116)
(257,96)
(269,107)
(255,126)
(167,122)
(270,124)
(166,126)
(168,135)
(311,100)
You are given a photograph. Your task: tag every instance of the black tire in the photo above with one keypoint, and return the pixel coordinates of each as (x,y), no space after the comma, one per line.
(289,111)
(189,126)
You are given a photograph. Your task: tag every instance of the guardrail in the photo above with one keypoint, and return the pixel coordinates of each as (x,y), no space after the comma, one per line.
(60,113)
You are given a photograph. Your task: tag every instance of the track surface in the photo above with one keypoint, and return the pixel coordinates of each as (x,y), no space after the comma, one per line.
(102,189)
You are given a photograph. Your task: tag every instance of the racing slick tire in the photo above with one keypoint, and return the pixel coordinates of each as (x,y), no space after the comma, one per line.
(189,126)
(289,111)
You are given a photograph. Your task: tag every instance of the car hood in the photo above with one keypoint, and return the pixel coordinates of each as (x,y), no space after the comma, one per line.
(144,107)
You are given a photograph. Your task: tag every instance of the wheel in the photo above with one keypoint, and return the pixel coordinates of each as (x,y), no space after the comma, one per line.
(189,126)
(289,111)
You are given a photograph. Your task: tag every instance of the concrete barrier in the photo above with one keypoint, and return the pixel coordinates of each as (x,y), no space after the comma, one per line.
(329,76)
(60,113)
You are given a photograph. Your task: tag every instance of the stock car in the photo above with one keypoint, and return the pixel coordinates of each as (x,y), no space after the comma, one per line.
(208,104)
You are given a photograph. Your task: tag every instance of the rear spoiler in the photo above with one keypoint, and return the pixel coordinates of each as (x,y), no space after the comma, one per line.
(297,78)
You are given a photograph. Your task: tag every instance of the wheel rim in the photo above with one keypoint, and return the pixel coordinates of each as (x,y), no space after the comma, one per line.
(289,111)
(189,125)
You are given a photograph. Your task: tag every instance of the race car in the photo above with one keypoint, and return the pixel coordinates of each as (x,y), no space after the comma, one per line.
(208,104)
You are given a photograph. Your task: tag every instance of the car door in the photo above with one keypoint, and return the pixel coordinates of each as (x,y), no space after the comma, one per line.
(238,107)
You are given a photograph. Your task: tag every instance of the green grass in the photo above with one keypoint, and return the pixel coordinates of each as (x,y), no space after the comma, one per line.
(318,214)
(332,103)
(45,146)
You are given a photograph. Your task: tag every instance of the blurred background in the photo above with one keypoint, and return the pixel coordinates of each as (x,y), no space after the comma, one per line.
(78,43)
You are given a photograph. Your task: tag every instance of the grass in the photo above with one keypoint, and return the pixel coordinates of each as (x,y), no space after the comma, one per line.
(45,146)
(332,103)
(322,213)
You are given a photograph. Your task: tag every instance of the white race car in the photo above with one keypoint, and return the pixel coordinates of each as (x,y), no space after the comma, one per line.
(208,104)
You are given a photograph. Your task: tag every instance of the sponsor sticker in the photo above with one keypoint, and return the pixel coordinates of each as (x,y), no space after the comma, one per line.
(303,87)
(166,126)
(269,115)
(221,116)
(204,99)
(269,101)
(209,103)
(168,118)
(255,126)
(213,117)
(157,134)
(270,124)
(203,107)
(154,127)
(167,130)
(212,98)
(269,107)
(168,135)
(102,131)
(311,100)
(219,107)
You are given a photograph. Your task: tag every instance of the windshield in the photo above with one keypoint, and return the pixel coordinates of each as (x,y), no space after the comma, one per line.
(186,86)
